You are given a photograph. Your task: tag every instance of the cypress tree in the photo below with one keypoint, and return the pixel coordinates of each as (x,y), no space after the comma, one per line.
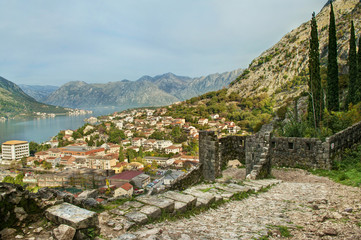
(333,103)
(358,85)
(352,63)
(121,154)
(315,108)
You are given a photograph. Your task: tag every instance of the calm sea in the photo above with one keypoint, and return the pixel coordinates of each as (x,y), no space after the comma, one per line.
(42,129)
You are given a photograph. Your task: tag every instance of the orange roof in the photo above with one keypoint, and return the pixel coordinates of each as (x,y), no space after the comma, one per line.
(120,164)
(14,142)
(127,186)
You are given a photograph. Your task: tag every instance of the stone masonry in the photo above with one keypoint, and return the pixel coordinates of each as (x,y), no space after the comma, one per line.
(261,150)
(209,155)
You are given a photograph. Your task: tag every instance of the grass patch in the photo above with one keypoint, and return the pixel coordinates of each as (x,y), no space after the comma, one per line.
(347,170)
(285,232)
(111,205)
(206,189)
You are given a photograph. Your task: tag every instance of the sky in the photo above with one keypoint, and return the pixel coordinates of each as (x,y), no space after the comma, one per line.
(46,42)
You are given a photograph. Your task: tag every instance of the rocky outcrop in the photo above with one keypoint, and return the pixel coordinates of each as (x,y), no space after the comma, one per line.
(282,69)
(18,206)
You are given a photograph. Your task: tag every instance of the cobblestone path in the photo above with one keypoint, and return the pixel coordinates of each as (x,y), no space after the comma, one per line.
(303,206)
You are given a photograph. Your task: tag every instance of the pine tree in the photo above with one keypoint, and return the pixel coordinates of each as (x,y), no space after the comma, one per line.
(121,154)
(315,108)
(358,85)
(333,103)
(352,63)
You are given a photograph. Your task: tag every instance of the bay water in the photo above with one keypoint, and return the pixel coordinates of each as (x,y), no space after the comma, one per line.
(42,129)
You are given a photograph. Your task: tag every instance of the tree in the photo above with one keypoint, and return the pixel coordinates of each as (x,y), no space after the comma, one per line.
(333,103)
(131,154)
(315,107)
(76,135)
(121,154)
(46,165)
(358,85)
(352,63)
(24,162)
(116,135)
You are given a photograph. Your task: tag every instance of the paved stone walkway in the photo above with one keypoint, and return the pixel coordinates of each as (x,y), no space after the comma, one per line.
(307,206)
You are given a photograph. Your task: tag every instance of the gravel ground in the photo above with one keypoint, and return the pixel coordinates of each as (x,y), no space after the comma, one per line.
(304,206)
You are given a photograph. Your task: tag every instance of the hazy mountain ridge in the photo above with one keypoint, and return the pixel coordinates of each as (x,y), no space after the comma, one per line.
(160,90)
(14,102)
(38,92)
(282,70)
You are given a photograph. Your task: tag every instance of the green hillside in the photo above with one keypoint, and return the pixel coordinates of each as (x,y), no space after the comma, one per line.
(15,103)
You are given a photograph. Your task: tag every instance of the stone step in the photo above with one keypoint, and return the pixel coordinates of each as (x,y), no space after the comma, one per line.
(239,187)
(152,212)
(189,200)
(255,187)
(180,207)
(228,189)
(137,217)
(205,197)
(72,215)
(166,205)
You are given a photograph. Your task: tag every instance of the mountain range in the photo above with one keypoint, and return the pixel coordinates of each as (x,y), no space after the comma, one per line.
(15,103)
(38,92)
(147,91)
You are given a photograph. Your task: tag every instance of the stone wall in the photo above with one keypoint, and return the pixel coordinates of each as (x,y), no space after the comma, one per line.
(191,178)
(344,139)
(258,164)
(209,155)
(231,148)
(18,206)
(299,152)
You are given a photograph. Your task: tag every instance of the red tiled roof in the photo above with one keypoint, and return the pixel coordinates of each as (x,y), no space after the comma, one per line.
(126,175)
(127,186)
(120,164)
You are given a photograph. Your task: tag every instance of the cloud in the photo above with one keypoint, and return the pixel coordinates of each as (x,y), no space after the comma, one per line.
(53,42)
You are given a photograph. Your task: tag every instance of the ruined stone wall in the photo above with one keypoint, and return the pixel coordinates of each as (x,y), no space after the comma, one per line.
(18,206)
(344,139)
(258,163)
(299,152)
(261,150)
(209,155)
(231,148)
(189,179)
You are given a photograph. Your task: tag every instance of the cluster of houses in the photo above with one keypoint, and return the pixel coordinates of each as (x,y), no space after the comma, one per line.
(78,156)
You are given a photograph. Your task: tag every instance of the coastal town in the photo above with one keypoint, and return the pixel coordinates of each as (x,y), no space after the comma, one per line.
(130,153)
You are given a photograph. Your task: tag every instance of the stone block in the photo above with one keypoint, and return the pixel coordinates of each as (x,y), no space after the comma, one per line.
(71,215)
(206,197)
(255,187)
(239,187)
(137,217)
(152,212)
(189,200)
(89,194)
(166,205)
(133,204)
(64,232)
(180,207)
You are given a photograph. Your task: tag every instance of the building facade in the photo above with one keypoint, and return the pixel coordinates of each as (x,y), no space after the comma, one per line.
(15,150)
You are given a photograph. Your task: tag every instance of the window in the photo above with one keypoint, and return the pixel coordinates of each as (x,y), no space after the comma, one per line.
(290,145)
(308,146)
